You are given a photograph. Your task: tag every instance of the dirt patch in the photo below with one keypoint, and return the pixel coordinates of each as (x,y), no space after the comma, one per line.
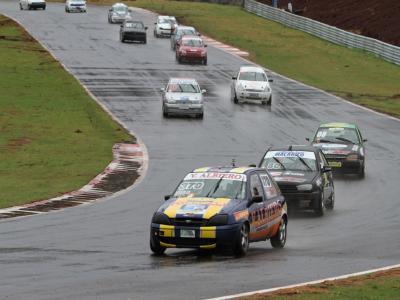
(322,288)
(376,19)
(15,144)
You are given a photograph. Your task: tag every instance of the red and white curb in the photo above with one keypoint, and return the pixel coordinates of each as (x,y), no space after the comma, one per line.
(129,162)
(222,46)
(266,291)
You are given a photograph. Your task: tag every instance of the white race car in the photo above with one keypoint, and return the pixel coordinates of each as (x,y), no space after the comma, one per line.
(75,5)
(165,25)
(118,13)
(32,4)
(251,84)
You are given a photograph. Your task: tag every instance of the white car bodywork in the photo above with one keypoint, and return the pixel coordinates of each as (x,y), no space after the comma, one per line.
(118,13)
(183,96)
(32,4)
(75,5)
(164,26)
(251,84)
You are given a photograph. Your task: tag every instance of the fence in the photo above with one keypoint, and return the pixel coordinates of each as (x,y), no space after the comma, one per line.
(335,35)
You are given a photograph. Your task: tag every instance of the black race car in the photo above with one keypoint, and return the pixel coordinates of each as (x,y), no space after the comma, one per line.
(303,175)
(133,31)
(343,147)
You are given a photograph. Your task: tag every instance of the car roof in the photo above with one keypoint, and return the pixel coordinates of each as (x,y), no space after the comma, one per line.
(119,4)
(184,27)
(251,69)
(236,170)
(182,80)
(166,17)
(294,148)
(338,125)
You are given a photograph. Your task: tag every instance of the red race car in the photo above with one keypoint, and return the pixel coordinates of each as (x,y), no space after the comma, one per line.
(191,48)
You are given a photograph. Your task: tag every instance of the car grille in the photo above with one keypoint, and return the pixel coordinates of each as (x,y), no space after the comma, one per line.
(288,188)
(134,34)
(253,90)
(188,222)
(186,241)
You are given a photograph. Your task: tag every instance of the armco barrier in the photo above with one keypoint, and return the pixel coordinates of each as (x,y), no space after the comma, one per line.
(335,35)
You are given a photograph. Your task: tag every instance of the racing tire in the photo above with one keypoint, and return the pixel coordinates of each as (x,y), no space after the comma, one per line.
(165,113)
(279,239)
(204,62)
(319,206)
(331,203)
(20,7)
(44,8)
(145,41)
(269,102)
(235,99)
(361,173)
(241,244)
(200,116)
(156,248)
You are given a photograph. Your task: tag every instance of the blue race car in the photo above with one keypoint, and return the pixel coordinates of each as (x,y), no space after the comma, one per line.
(226,207)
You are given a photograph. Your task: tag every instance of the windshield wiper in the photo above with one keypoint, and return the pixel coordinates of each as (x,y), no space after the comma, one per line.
(325,141)
(212,191)
(344,140)
(304,163)
(279,162)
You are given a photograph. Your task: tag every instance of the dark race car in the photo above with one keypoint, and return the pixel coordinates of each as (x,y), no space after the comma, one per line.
(133,31)
(304,177)
(221,207)
(343,147)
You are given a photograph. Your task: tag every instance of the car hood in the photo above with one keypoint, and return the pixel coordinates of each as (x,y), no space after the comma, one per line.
(165,26)
(253,85)
(183,96)
(189,48)
(295,177)
(121,14)
(196,207)
(133,30)
(337,148)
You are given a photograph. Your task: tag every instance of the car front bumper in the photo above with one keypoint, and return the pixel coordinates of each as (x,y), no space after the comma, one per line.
(342,165)
(253,95)
(77,8)
(183,109)
(207,237)
(301,200)
(37,5)
(164,32)
(117,19)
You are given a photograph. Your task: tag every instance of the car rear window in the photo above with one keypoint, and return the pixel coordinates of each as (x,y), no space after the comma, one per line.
(134,25)
(252,76)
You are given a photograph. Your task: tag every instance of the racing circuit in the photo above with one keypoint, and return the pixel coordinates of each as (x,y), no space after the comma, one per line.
(101,251)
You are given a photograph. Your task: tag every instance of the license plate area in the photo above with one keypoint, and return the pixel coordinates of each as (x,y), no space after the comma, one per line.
(188,233)
(335,164)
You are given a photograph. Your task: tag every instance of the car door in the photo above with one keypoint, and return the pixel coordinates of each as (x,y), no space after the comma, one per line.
(327,178)
(273,203)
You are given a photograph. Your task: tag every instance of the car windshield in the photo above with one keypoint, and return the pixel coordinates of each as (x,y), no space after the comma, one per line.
(183,88)
(192,43)
(134,25)
(212,185)
(252,76)
(167,21)
(304,161)
(185,32)
(120,8)
(336,135)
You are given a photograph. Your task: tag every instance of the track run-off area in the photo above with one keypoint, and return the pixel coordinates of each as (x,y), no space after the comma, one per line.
(101,251)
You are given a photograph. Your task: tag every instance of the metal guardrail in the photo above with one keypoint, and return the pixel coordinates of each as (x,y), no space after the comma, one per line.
(335,35)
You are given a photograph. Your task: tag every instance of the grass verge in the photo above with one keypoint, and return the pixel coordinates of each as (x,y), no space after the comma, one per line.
(53,137)
(352,74)
(383,285)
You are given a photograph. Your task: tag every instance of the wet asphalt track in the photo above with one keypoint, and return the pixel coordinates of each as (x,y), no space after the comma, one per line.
(101,251)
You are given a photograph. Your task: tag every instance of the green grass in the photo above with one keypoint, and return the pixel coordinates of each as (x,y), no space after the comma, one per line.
(53,137)
(376,286)
(348,73)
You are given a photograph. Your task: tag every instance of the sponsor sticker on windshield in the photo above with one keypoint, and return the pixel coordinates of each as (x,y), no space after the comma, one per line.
(302,154)
(216,175)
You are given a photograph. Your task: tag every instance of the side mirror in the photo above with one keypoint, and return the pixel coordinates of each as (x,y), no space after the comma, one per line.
(129,10)
(270,80)
(252,165)
(326,169)
(256,199)
(205,45)
(110,9)
(146,28)
(167,197)
(155,23)
(122,25)
(162,90)
(234,77)
(365,140)
(203,91)
(307,139)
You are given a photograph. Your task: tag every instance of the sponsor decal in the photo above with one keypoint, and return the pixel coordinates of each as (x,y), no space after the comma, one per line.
(324,146)
(290,179)
(302,154)
(337,151)
(216,175)
(243,214)
(206,207)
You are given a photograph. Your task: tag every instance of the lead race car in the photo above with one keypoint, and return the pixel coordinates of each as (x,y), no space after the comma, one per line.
(221,207)
(343,146)
(303,176)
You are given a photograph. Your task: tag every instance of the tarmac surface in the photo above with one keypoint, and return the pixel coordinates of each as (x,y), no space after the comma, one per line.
(101,251)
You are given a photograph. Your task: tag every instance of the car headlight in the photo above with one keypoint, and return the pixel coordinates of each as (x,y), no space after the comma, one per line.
(160,218)
(304,187)
(352,157)
(170,100)
(318,182)
(267,89)
(219,219)
(183,52)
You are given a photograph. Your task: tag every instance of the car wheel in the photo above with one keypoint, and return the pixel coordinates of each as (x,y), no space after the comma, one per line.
(20,7)
(279,239)
(44,8)
(331,203)
(319,206)
(145,41)
(361,174)
(179,59)
(156,247)
(164,111)
(241,245)
(205,61)
(270,100)
(201,116)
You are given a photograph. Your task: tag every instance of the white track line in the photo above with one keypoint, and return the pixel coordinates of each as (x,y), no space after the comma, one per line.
(305,283)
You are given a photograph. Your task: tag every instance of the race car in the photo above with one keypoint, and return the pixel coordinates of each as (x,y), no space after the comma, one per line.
(32,4)
(165,25)
(118,13)
(179,32)
(251,84)
(191,48)
(304,177)
(75,5)
(133,31)
(225,207)
(343,146)
(183,96)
